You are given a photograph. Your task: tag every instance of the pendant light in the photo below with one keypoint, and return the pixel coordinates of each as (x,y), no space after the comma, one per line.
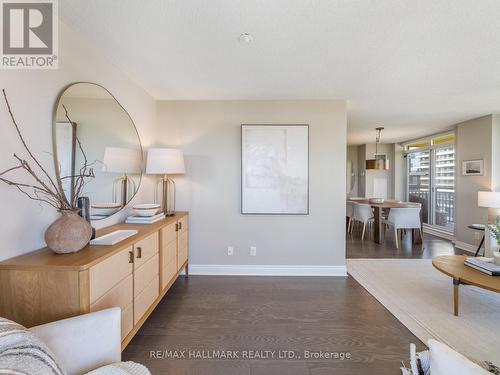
(378,163)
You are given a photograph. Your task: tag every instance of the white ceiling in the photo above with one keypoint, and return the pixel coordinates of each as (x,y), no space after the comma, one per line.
(413,66)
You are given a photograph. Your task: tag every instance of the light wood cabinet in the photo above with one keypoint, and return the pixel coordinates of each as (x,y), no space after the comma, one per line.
(121,295)
(145,299)
(174,252)
(182,248)
(108,273)
(42,286)
(145,249)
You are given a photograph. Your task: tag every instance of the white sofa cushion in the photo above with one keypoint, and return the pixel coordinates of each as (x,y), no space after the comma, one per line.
(446,361)
(22,352)
(85,342)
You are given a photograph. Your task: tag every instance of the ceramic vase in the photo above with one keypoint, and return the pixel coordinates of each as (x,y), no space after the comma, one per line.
(69,233)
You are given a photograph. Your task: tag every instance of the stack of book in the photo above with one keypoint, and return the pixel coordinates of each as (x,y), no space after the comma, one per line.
(484,265)
(135,219)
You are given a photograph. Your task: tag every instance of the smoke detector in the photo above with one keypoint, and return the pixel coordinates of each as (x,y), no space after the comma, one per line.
(245,38)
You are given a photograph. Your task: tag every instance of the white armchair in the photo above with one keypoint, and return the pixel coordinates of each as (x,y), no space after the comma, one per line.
(86,342)
(349,211)
(404,218)
(364,214)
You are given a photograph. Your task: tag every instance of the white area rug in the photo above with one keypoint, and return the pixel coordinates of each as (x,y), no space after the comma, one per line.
(421,298)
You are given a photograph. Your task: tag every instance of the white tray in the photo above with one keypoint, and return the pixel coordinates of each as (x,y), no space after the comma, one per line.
(113,237)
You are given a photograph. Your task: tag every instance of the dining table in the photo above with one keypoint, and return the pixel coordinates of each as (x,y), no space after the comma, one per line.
(378,231)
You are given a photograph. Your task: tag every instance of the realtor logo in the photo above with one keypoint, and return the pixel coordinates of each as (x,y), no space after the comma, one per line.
(29,34)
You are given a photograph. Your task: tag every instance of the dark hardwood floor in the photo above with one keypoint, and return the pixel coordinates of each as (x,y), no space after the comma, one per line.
(225,313)
(432,246)
(330,314)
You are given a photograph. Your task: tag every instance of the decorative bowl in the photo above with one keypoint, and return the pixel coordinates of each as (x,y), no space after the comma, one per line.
(146,209)
(377,200)
(105,209)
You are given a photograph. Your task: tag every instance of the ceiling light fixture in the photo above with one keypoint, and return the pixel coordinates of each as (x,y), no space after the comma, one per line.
(245,38)
(379,162)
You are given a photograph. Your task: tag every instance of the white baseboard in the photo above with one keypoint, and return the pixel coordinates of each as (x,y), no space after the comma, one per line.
(265,270)
(466,246)
(439,233)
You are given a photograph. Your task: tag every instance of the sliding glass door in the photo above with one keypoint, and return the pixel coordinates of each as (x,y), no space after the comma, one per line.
(419,179)
(444,187)
(431,180)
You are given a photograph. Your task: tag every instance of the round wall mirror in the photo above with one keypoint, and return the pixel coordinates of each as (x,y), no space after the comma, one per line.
(92,129)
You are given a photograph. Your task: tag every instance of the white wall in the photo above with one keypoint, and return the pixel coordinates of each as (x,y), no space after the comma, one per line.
(209,134)
(32,95)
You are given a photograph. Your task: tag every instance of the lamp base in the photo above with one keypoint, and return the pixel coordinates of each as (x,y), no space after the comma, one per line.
(168,202)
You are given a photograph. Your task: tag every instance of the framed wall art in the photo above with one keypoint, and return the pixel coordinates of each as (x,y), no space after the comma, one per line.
(473,167)
(275,169)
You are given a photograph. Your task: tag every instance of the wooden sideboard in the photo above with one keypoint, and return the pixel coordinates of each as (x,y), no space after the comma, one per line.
(135,274)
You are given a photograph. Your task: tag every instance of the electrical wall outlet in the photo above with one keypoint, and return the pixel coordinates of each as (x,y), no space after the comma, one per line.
(253,251)
(230,251)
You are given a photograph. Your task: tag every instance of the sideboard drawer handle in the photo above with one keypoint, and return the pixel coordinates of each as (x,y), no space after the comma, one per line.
(180,225)
(139,252)
(131,257)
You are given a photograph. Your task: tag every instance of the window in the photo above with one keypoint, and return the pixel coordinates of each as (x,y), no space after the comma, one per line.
(431,179)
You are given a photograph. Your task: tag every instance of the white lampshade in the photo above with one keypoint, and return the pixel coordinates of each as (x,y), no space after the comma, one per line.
(165,161)
(122,160)
(489,199)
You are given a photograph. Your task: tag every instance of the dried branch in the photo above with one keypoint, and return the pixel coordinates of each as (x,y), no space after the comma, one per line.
(10,169)
(47,198)
(14,122)
(44,189)
(37,199)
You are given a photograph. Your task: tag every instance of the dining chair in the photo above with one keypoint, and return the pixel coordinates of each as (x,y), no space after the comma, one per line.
(385,211)
(362,213)
(403,218)
(349,214)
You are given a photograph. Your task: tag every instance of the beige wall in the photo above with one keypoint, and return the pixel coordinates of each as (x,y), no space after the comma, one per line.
(398,172)
(32,95)
(495,153)
(474,141)
(352,155)
(361,170)
(209,134)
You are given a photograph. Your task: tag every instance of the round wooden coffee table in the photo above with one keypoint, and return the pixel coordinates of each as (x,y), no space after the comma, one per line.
(453,266)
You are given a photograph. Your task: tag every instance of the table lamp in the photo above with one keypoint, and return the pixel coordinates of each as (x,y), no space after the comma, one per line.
(166,161)
(125,161)
(491,200)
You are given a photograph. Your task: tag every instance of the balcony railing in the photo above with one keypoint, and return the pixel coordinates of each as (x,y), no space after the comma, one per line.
(445,205)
